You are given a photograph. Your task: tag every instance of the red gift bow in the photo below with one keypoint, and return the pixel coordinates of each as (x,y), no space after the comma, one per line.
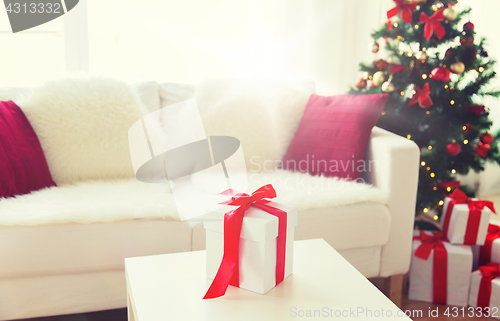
(440,264)
(228,272)
(475,209)
(405,8)
(422,96)
(485,250)
(489,272)
(432,24)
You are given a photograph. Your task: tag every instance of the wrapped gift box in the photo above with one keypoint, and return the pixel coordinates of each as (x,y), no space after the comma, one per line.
(461,228)
(459,265)
(258,241)
(490,251)
(494,296)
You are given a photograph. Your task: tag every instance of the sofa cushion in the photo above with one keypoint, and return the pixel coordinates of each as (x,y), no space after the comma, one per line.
(84,248)
(22,164)
(263,115)
(332,135)
(82,125)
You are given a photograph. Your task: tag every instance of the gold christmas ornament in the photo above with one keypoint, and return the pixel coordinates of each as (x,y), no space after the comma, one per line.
(378,78)
(450,14)
(388,87)
(458,67)
(422,56)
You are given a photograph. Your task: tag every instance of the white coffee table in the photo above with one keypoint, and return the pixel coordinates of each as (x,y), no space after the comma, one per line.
(171,287)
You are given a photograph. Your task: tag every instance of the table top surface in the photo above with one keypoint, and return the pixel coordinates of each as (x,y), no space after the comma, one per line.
(323,285)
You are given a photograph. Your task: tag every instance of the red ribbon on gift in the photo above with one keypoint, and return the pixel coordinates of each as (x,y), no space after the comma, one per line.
(440,264)
(228,272)
(489,272)
(475,209)
(405,8)
(422,96)
(433,24)
(485,250)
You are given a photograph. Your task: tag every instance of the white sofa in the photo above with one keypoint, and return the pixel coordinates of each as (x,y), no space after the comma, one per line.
(71,267)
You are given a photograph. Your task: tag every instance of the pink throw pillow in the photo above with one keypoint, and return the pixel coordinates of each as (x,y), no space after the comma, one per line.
(332,136)
(23,167)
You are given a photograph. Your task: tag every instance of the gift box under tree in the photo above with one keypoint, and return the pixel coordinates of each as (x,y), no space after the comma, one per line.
(485,289)
(465,220)
(250,247)
(439,271)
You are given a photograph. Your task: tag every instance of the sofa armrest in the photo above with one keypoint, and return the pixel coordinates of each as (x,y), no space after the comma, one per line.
(394,169)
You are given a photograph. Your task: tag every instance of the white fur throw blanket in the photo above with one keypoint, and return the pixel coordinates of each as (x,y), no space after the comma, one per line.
(91,202)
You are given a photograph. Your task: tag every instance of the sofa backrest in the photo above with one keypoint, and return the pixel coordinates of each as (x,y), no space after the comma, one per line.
(263,115)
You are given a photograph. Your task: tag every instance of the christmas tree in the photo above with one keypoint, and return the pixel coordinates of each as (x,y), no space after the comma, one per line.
(436,73)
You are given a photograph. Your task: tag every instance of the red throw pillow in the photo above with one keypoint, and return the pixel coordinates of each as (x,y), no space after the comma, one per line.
(332,135)
(23,167)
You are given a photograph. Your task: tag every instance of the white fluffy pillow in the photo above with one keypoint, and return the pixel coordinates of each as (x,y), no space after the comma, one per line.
(82,125)
(263,115)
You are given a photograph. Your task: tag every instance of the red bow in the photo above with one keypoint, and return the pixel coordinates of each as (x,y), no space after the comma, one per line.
(475,209)
(440,264)
(228,272)
(489,272)
(405,8)
(397,68)
(429,242)
(485,250)
(422,96)
(432,24)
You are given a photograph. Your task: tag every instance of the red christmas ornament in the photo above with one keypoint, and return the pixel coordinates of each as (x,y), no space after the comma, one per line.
(468,129)
(471,54)
(486,138)
(360,83)
(381,64)
(466,41)
(449,184)
(468,27)
(441,74)
(482,149)
(475,109)
(453,149)
(448,52)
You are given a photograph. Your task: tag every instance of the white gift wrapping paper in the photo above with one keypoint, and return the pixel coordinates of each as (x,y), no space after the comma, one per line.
(258,239)
(459,271)
(458,223)
(475,282)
